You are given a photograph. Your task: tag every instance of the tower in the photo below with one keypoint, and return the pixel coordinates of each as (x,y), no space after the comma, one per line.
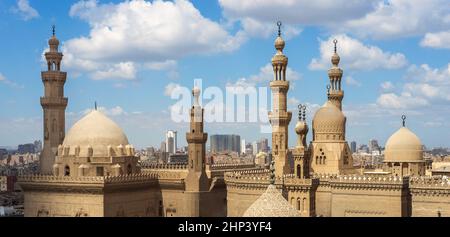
(279,116)
(53,104)
(335,93)
(300,152)
(330,153)
(196,182)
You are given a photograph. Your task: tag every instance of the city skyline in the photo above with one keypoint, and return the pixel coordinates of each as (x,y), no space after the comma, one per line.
(386,73)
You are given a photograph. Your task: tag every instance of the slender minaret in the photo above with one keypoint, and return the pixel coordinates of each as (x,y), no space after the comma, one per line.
(196,182)
(336,94)
(300,151)
(279,116)
(53,104)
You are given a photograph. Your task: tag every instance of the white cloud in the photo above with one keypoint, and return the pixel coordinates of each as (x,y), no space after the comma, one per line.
(401,18)
(170,88)
(2,78)
(352,82)
(437,40)
(9,83)
(123,70)
(24,9)
(264,75)
(387,86)
(355,55)
(424,86)
(152,35)
(258,17)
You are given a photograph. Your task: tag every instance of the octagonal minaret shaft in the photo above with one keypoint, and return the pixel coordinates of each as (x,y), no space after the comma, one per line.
(279,116)
(53,104)
(335,93)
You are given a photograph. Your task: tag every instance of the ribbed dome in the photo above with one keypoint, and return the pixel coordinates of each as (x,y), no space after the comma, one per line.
(403,146)
(97,131)
(271,204)
(329,123)
(53,41)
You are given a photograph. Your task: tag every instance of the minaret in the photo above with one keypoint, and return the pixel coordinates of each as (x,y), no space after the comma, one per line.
(336,94)
(196,182)
(54,105)
(300,152)
(279,116)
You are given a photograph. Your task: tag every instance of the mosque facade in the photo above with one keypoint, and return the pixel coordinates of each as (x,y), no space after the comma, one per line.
(93,170)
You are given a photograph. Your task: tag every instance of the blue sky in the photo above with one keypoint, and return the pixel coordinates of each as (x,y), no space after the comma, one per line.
(128,55)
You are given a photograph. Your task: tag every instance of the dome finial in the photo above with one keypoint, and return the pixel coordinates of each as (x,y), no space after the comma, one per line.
(300,107)
(272,172)
(279,27)
(335,45)
(53,29)
(328,89)
(304,112)
(403,118)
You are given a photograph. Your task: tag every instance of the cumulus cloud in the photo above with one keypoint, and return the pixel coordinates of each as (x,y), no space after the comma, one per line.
(170,88)
(401,18)
(437,40)
(258,17)
(263,77)
(352,82)
(424,86)
(356,55)
(24,9)
(387,86)
(9,83)
(148,35)
(123,70)
(2,78)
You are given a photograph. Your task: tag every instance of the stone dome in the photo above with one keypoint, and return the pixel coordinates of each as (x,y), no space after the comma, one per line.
(301,127)
(279,43)
(271,204)
(403,146)
(53,41)
(98,133)
(329,123)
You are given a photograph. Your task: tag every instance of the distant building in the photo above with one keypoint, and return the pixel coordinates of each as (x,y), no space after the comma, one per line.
(261,145)
(178,158)
(225,143)
(171,142)
(353,146)
(373,145)
(26,148)
(243,146)
(38,146)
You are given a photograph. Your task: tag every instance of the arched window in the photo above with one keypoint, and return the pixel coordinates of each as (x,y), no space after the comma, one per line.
(304,204)
(317,160)
(67,171)
(324,160)
(299,168)
(129,169)
(298,204)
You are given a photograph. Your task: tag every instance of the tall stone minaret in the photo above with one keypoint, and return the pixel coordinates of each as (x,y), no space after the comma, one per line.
(335,94)
(196,182)
(279,116)
(53,104)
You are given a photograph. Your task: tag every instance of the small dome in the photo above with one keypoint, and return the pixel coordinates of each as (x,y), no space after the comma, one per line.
(301,127)
(271,204)
(403,146)
(329,123)
(97,131)
(279,43)
(335,59)
(53,41)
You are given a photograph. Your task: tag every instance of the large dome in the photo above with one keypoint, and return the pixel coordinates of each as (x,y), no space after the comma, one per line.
(403,146)
(329,123)
(96,131)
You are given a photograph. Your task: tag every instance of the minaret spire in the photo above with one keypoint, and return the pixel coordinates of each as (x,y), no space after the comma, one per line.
(335,92)
(53,29)
(404,119)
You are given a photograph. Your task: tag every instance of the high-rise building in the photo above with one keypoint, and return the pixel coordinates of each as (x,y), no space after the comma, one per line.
(225,143)
(353,146)
(54,105)
(243,146)
(38,146)
(256,147)
(171,142)
(373,145)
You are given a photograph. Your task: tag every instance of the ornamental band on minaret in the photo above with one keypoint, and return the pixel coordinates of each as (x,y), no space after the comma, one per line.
(53,104)
(279,116)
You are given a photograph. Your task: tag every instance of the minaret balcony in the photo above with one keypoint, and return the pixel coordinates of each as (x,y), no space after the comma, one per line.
(281,84)
(196,137)
(53,101)
(53,76)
